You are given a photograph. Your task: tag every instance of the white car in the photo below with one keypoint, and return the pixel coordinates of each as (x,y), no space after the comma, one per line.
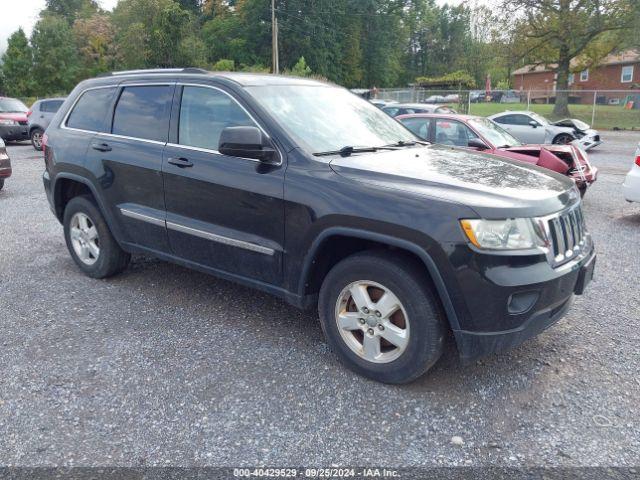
(631,185)
(529,127)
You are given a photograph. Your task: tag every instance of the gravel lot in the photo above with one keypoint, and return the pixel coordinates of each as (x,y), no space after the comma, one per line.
(166,366)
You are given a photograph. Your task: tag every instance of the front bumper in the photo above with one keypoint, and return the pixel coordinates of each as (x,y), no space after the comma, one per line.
(14,132)
(512,299)
(589,141)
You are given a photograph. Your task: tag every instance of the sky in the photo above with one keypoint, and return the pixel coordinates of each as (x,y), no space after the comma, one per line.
(24,13)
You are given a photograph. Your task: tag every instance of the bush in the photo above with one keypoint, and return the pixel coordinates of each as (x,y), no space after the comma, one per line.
(224,65)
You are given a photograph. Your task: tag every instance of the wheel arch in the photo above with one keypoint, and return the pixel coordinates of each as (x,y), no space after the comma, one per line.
(314,268)
(68,185)
(33,127)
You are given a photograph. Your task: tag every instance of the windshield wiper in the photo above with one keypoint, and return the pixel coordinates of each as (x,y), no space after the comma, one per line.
(410,143)
(348,150)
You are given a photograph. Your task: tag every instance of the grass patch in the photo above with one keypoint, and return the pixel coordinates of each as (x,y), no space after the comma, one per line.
(607,116)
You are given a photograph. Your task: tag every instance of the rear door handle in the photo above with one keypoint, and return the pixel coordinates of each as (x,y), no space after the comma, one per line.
(101,147)
(180,162)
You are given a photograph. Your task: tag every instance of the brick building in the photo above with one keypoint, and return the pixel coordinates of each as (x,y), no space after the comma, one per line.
(619,71)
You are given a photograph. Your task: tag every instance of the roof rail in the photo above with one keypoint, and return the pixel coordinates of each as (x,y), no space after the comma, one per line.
(155,71)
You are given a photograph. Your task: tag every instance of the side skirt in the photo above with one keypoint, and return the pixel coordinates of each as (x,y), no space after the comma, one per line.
(301,302)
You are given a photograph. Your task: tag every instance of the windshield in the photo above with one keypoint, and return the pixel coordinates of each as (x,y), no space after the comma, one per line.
(497,135)
(11,105)
(325,119)
(538,118)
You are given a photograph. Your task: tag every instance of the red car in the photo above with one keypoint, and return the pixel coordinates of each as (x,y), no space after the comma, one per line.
(479,133)
(13,119)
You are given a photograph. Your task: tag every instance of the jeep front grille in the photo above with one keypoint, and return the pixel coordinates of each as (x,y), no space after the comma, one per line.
(567,235)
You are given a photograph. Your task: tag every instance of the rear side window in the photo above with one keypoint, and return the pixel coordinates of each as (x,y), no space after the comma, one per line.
(50,106)
(91,109)
(204,113)
(143,112)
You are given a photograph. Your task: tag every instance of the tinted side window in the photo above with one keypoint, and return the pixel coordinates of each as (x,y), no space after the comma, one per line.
(143,112)
(50,106)
(504,120)
(91,109)
(204,113)
(520,120)
(419,126)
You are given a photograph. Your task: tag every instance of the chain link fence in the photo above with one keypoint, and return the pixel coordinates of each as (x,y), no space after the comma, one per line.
(603,109)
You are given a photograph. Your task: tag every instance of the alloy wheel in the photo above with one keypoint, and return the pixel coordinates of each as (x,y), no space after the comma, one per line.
(84,238)
(36,137)
(372,321)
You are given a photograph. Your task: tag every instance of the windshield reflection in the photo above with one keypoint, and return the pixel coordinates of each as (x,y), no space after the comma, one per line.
(323,118)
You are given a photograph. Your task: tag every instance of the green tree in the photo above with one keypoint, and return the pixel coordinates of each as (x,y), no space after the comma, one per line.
(94,37)
(556,31)
(17,64)
(55,57)
(300,69)
(156,33)
(71,10)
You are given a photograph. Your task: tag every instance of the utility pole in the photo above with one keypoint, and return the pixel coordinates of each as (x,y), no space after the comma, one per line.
(275,67)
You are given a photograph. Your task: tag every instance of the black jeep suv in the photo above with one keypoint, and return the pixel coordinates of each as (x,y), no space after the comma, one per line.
(301,189)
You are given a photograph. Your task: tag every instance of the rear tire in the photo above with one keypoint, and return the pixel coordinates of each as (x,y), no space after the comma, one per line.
(395,347)
(90,241)
(36,138)
(1,183)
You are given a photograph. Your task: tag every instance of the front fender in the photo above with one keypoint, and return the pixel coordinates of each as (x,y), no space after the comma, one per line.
(427,259)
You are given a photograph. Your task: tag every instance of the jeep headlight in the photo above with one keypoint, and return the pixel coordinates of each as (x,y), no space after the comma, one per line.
(8,122)
(509,234)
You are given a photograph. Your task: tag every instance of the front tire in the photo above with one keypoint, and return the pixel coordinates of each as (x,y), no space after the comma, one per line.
(380,316)
(36,138)
(89,240)
(1,183)
(563,139)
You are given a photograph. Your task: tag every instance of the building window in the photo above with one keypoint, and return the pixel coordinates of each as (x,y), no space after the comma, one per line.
(584,75)
(572,78)
(627,74)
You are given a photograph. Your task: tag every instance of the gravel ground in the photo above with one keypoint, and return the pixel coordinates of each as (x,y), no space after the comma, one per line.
(165,366)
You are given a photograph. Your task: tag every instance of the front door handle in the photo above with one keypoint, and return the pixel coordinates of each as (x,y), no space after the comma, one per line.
(180,162)
(101,147)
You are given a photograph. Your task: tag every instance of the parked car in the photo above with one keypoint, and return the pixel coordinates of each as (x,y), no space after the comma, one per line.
(509,96)
(5,164)
(480,133)
(476,96)
(304,190)
(405,108)
(39,116)
(13,119)
(382,103)
(435,99)
(530,127)
(631,186)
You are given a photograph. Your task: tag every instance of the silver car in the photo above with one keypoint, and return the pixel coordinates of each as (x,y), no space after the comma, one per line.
(39,116)
(530,127)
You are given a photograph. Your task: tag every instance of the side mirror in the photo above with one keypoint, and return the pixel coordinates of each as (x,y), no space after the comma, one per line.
(245,142)
(477,143)
(534,124)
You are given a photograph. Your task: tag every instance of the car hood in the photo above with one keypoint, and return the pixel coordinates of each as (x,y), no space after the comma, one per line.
(18,117)
(494,187)
(572,123)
